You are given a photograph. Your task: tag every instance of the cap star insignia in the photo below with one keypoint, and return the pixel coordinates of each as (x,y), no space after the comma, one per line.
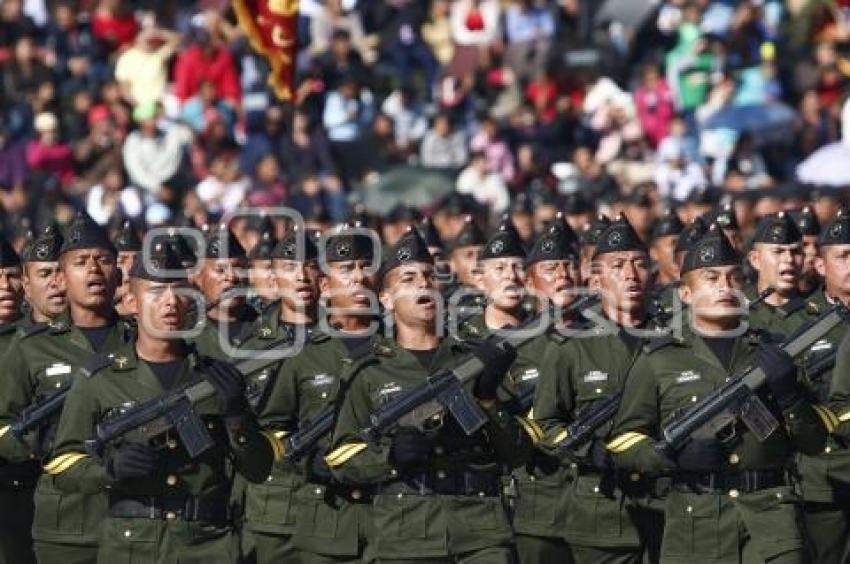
(403,254)
(265,332)
(497,247)
(41,250)
(343,249)
(836,229)
(615,238)
(706,254)
(777,230)
(548,246)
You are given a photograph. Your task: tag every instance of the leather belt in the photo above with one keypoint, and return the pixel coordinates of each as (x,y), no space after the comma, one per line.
(188,508)
(445,482)
(20,476)
(747,481)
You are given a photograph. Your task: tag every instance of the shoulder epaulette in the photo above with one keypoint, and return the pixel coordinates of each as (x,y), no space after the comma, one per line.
(793,305)
(659,343)
(30,329)
(319,337)
(96,363)
(812,307)
(8,328)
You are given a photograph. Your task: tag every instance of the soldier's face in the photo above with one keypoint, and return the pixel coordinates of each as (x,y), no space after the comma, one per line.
(160,307)
(219,276)
(44,290)
(663,252)
(778,266)
(411,295)
(834,265)
(622,279)
(714,294)
(90,277)
(810,255)
(297,283)
(125,262)
(554,280)
(503,281)
(349,285)
(11,291)
(463,261)
(261,277)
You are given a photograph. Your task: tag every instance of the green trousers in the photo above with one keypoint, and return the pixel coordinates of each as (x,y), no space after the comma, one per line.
(16,527)
(828,528)
(56,553)
(495,555)
(274,549)
(542,550)
(599,555)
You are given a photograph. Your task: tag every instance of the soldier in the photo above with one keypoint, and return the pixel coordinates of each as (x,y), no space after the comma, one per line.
(269,506)
(463,255)
(333,519)
(128,245)
(731,498)
(662,250)
(726,218)
(222,280)
(47,356)
(164,506)
(777,258)
(552,268)
(261,276)
(41,278)
(809,226)
(603,522)
(437,250)
(825,478)
(437,491)
(588,239)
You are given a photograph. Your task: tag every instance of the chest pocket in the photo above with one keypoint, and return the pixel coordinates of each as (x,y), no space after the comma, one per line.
(682,389)
(594,384)
(54,376)
(321,389)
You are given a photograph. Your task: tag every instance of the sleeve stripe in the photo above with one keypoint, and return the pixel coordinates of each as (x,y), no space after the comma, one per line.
(625,441)
(278,448)
(532,429)
(830,421)
(63,462)
(344,453)
(4,430)
(560,437)
(844,417)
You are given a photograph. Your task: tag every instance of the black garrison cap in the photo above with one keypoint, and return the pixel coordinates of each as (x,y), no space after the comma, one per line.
(126,238)
(712,249)
(470,236)
(504,243)
(618,237)
(779,229)
(45,247)
(84,233)
(667,224)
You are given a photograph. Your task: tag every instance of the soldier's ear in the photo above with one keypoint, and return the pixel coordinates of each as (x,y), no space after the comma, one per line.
(820,266)
(685,293)
(387,300)
(755,259)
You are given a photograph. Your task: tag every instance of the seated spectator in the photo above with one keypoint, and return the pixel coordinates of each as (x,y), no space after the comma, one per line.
(112,197)
(142,70)
(24,75)
(408,116)
(341,61)
(114,25)
(207,59)
(46,153)
(14,24)
(199,111)
(499,157)
(103,142)
(347,118)
(485,186)
(442,147)
(13,169)
(267,187)
(437,31)
(655,105)
(529,28)
(225,188)
(332,18)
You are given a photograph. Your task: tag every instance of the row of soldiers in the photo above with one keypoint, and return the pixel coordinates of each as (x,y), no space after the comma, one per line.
(109,321)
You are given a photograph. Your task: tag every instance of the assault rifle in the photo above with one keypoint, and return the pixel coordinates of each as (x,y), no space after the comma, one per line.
(585,426)
(35,415)
(738,400)
(173,410)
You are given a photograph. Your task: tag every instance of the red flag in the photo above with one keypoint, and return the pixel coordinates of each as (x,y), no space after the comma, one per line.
(271,27)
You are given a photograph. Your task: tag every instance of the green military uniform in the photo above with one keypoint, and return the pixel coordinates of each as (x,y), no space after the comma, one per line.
(450,510)
(781,321)
(41,359)
(149,518)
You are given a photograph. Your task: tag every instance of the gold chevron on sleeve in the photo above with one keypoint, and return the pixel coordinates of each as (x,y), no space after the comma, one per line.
(63,462)
(531,428)
(278,447)
(830,421)
(625,441)
(344,453)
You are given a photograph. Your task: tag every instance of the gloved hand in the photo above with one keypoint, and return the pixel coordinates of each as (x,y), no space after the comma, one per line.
(599,456)
(229,386)
(497,360)
(781,374)
(700,455)
(410,447)
(131,460)
(319,470)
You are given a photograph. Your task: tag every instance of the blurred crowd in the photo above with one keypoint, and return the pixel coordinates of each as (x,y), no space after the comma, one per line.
(160,113)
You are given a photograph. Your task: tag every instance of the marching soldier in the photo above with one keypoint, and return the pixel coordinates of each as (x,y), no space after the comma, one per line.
(809,226)
(603,522)
(128,244)
(463,253)
(588,239)
(261,277)
(731,498)
(662,250)
(163,505)
(333,520)
(825,478)
(41,278)
(777,258)
(437,491)
(44,358)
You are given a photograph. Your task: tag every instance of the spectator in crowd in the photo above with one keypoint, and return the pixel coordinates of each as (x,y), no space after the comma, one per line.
(487,187)
(47,153)
(347,117)
(655,105)
(408,115)
(437,31)
(114,25)
(443,146)
(529,28)
(500,160)
(111,197)
(142,69)
(333,17)
(207,59)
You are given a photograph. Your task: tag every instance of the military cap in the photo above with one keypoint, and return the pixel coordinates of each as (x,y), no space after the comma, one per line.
(725,217)
(45,247)
(287,248)
(807,221)
(470,236)
(690,235)
(457,204)
(576,203)
(667,224)
(591,233)
(560,221)
(777,229)
(704,195)
(429,233)
(222,243)
(126,239)
(618,237)
(712,249)
(401,213)
(504,243)
(181,248)
(84,233)
(262,250)
(346,245)
(639,196)
(522,204)
(261,223)
(8,256)
(410,247)
(837,232)
(555,243)
(160,265)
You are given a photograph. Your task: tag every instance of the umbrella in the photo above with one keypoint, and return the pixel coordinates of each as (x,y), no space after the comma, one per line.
(405,185)
(827,166)
(630,13)
(769,123)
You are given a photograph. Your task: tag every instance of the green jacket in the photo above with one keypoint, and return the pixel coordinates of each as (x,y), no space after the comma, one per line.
(780,321)
(212,339)
(43,358)
(425,526)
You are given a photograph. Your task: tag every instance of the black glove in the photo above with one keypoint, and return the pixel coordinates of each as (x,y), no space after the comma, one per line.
(410,447)
(131,460)
(497,360)
(319,470)
(599,456)
(781,374)
(229,386)
(700,455)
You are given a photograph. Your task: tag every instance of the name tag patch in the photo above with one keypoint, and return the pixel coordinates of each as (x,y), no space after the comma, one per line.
(822,345)
(687,376)
(596,376)
(58,369)
(320,380)
(530,374)
(389,389)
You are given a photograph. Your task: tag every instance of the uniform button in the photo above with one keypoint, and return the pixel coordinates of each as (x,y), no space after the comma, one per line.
(318,491)
(595,489)
(573,465)
(734,493)
(441,474)
(734,458)
(778,495)
(393,472)
(269,479)
(58,384)
(171,480)
(210,425)
(828,449)
(324,395)
(356,494)
(693,399)
(16,483)
(690,509)
(481,494)
(171,515)
(128,533)
(400,496)
(634,477)
(532,478)
(598,390)
(172,444)
(439,450)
